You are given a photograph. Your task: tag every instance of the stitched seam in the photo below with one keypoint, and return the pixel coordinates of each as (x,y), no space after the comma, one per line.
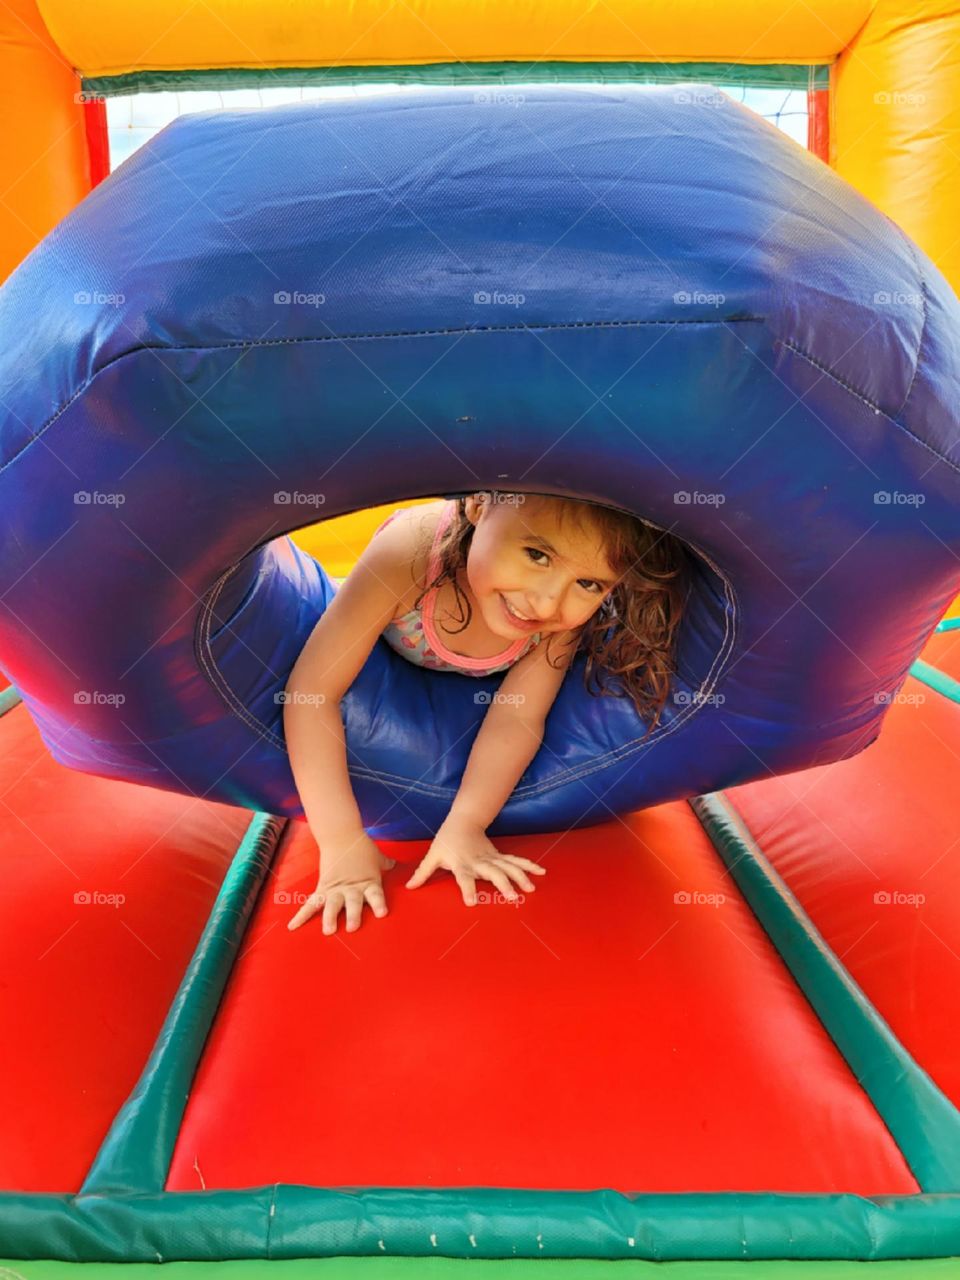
(355,337)
(847,386)
(923,324)
(875,407)
(208,664)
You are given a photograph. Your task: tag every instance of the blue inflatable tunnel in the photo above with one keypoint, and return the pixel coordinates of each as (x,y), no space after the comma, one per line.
(644,298)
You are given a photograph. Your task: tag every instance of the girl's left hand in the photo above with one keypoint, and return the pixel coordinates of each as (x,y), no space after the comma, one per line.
(466,851)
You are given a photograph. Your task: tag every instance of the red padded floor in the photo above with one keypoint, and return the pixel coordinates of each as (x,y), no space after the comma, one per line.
(85,987)
(884,823)
(602,1034)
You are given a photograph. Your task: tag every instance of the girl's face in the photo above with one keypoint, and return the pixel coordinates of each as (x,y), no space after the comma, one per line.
(522,559)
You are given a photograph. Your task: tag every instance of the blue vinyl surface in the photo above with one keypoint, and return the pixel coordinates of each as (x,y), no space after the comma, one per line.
(707,310)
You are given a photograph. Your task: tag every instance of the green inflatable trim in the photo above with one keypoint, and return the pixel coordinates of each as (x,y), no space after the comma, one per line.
(923,1121)
(135,1155)
(286,1221)
(740,74)
(9,698)
(936,679)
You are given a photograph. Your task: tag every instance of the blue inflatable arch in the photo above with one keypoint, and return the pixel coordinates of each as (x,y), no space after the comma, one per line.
(707,311)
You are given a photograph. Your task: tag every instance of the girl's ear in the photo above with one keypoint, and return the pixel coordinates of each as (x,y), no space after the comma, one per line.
(472,506)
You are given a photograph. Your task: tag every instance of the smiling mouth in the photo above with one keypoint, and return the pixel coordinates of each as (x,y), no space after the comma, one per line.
(516,616)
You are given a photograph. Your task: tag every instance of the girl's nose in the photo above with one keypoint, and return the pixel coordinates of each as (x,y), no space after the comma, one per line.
(544,607)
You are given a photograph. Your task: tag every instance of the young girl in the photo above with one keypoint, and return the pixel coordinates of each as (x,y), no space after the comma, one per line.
(481,584)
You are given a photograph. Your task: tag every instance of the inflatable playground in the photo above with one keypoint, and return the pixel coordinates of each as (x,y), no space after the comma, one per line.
(553,258)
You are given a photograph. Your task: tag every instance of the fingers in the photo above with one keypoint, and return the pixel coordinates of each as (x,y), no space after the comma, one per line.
(331,910)
(468,887)
(374,896)
(535,867)
(387,864)
(349,900)
(515,874)
(423,872)
(307,911)
(499,878)
(353,902)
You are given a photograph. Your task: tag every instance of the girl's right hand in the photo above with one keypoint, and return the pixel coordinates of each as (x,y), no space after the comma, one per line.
(349,876)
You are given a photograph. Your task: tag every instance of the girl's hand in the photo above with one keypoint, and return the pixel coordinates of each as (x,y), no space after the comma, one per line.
(466,851)
(349,876)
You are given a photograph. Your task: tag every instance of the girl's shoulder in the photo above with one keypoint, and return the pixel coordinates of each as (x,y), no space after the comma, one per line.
(411,531)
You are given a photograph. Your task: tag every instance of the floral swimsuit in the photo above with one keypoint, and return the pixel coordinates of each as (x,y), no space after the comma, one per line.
(414,634)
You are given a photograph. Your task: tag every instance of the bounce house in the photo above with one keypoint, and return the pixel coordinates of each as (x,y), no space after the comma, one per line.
(553,259)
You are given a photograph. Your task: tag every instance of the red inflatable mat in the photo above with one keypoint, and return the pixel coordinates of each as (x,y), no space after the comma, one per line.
(87,980)
(605,1033)
(871,848)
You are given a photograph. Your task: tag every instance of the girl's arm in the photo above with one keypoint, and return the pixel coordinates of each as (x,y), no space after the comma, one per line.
(509,738)
(511,734)
(328,664)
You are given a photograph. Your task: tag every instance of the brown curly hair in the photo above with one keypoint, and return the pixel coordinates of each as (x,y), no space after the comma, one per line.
(633,634)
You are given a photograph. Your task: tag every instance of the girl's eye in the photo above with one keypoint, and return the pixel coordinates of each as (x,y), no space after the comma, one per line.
(596,587)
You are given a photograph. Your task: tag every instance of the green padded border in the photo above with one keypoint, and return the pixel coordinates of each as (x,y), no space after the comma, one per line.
(135,1155)
(751,75)
(283,1221)
(9,698)
(921,1118)
(934,678)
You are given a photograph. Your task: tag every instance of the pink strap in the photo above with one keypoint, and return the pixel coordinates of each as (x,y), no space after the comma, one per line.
(383,524)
